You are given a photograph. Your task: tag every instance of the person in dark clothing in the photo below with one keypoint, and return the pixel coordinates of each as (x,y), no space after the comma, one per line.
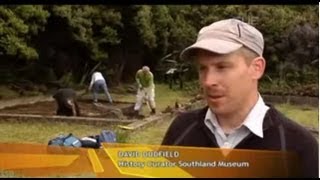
(229,55)
(67,105)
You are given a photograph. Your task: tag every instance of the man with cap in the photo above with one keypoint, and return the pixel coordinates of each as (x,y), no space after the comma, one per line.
(66,100)
(144,79)
(97,84)
(229,56)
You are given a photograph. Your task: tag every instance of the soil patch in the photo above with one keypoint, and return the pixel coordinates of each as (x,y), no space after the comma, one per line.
(87,109)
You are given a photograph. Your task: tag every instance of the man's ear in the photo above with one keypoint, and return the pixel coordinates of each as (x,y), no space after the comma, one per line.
(258,66)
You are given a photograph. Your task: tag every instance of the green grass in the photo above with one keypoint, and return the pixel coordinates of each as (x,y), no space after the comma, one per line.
(42,132)
(164,96)
(7,93)
(152,135)
(304,115)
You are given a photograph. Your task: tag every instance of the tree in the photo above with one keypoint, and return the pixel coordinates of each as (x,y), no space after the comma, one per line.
(120,39)
(18,25)
(93,26)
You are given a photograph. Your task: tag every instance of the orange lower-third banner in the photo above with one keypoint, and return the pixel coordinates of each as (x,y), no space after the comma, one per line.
(133,160)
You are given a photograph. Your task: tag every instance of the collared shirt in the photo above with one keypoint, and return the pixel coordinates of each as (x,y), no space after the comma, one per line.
(252,123)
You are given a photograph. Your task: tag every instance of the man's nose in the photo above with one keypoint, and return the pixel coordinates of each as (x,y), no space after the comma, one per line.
(210,79)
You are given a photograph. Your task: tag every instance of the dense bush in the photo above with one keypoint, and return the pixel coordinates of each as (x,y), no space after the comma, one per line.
(79,39)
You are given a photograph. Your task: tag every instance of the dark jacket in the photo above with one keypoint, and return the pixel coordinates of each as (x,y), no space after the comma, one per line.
(280,133)
(64,108)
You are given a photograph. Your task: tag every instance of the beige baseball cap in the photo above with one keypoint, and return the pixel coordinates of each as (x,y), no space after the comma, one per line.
(226,36)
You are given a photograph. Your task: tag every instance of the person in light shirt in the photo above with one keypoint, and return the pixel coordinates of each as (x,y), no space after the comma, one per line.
(229,56)
(146,90)
(98,84)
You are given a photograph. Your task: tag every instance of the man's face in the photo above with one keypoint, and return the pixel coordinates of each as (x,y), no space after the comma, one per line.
(227,80)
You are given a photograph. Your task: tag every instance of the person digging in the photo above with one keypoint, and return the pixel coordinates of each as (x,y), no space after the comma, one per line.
(146,90)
